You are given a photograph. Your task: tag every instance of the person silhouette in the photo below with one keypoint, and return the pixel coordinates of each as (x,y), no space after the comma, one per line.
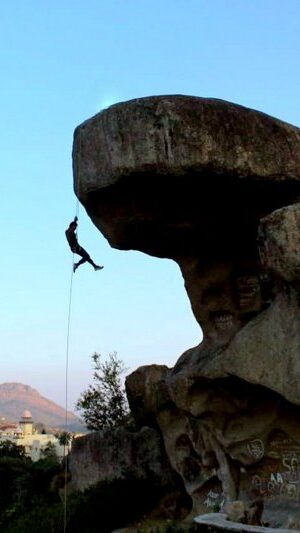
(76,248)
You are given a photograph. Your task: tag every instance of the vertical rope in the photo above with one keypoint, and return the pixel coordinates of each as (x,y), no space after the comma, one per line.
(66,444)
(66,396)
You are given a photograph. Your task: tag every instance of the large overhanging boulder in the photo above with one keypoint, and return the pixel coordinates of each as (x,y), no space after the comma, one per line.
(215,187)
(176,175)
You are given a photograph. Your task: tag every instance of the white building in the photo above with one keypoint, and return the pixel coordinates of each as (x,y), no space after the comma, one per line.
(35,444)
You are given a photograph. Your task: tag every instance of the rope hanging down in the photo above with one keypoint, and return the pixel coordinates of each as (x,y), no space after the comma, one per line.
(70,306)
(66,441)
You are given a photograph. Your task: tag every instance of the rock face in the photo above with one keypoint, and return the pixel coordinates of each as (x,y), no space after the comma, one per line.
(215,187)
(116,455)
(127,475)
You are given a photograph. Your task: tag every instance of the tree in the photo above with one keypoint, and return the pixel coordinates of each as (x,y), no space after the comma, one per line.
(64,438)
(10,449)
(49,452)
(104,404)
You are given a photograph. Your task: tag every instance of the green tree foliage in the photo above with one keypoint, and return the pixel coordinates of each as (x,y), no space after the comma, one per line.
(104,403)
(10,449)
(94,510)
(64,438)
(25,485)
(14,477)
(47,518)
(49,452)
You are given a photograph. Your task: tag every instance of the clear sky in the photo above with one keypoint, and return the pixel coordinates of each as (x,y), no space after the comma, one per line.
(61,62)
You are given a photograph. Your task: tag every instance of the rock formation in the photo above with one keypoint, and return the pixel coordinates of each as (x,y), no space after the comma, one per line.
(215,187)
(111,456)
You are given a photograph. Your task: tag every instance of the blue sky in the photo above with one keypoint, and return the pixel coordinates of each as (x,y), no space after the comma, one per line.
(61,62)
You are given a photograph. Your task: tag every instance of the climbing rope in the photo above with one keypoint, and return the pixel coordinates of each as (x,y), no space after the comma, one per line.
(66,442)
(66,397)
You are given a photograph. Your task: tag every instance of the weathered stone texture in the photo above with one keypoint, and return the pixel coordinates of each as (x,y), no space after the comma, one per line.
(172,135)
(219,522)
(279,234)
(215,187)
(116,455)
(172,175)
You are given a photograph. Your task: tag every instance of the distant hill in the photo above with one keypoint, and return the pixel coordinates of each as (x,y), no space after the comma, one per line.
(16,397)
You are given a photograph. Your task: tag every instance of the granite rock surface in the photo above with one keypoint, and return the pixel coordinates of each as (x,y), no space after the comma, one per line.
(215,187)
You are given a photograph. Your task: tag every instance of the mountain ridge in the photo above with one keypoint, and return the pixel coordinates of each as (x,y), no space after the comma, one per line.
(16,397)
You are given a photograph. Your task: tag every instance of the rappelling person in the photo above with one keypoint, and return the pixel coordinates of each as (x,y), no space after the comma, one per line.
(76,248)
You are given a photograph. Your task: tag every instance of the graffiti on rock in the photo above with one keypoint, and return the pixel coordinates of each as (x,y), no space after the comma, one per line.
(256,449)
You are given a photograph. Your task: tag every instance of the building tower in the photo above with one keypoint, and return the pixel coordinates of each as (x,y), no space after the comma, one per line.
(26,423)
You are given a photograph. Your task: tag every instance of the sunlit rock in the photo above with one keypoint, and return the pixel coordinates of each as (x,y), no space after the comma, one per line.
(215,187)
